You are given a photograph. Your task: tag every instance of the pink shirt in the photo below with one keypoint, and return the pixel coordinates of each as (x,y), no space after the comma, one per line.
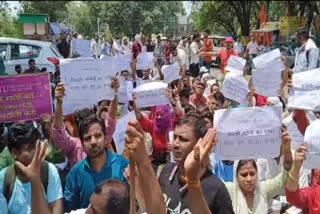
(71,146)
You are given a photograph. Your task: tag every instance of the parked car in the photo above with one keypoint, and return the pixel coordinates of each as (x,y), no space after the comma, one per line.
(19,51)
(288,49)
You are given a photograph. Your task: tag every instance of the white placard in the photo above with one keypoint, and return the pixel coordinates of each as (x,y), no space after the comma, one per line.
(121,128)
(145,60)
(236,64)
(266,81)
(295,134)
(235,87)
(151,94)
(81,47)
(268,59)
(86,82)
(122,62)
(306,90)
(171,72)
(122,92)
(248,133)
(312,138)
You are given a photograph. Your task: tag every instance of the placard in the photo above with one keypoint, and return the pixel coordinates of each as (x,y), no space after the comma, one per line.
(171,72)
(235,87)
(145,60)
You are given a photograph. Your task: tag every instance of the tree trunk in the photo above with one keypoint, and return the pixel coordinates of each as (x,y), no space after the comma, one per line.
(290,8)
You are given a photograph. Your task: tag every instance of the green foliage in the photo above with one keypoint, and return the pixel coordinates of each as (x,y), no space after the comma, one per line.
(55,9)
(9,26)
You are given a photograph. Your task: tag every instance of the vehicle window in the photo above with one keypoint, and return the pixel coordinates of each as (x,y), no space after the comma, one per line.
(55,51)
(19,51)
(3,50)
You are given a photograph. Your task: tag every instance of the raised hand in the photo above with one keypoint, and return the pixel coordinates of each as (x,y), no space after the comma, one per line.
(32,171)
(59,92)
(300,155)
(135,142)
(115,84)
(194,164)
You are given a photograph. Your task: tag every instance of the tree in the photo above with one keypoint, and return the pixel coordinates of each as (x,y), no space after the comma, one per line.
(9,26)
(56,10)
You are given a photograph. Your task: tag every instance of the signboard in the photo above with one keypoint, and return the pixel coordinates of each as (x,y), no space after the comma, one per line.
(24,97)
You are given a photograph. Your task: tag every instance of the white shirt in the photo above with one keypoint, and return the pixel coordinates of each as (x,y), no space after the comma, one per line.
(184,47)
(253,47)
(238,47)
(80,211)
(95,48)
(194,49)
(126,49)
(116,47)
(181,58)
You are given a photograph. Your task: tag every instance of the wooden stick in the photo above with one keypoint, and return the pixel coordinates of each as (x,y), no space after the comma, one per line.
(132,186)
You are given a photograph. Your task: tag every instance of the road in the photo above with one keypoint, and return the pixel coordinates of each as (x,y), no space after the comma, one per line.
(215,71)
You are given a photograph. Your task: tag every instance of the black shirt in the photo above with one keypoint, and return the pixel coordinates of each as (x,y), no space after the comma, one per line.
(64,48)
(214,191)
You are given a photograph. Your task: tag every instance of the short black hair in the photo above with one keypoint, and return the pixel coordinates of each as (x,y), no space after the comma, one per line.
(214,84)
(20,134)
(17,66)
(195,35)
(303,33)
(118,196)
(158,37)
(85,124)
(31,60)
(124,72)
(184,93)
(196,122)
(44,69)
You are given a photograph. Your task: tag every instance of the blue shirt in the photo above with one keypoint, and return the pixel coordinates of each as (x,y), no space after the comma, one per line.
(20,201)
(82,180)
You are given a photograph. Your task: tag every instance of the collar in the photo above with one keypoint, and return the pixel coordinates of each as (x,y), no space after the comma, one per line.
(111,158)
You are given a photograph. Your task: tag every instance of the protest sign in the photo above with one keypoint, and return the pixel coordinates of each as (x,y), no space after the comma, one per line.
(306,90)
(145,60)
(248,133)
(171,72)
(125,90)
(151,94)
(129,90)
(120,131)
(235,87)
(122,62)
(236,64)
(81,47)
(86,82)
(267,81)
(24,97)
(270,58)
(295,134)
(312,138)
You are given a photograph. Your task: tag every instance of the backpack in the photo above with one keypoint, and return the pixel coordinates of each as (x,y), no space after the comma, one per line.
(10,177)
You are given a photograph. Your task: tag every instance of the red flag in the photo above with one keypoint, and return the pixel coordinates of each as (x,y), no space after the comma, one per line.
(263,16)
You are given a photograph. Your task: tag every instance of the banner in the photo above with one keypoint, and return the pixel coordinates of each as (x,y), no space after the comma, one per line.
(24,97)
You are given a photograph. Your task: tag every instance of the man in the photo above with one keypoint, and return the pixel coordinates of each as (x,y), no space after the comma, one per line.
(95,47)
(63,46)
(197,99)
(207,47)
(225,54)
(111,196)
(158,51)
(15,186)
(183,44)
(136,46)
(117,48)
(176,188)
(126,46)
(71,146)
(167,50)
(18,69)
(99,165)
(308,54)
(178,55)
(32,67)
(238,46)
(149,44)
(194,51)
(252,48)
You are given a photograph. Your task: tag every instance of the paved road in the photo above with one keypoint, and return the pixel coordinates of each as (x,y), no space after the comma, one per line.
(215,72)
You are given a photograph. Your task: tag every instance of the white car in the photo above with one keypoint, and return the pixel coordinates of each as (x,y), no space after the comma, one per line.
(19,51)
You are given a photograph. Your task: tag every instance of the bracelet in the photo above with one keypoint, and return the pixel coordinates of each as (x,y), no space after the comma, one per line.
(194,184)
(293,178)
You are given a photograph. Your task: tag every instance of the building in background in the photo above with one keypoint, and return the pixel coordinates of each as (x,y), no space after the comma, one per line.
(185,26)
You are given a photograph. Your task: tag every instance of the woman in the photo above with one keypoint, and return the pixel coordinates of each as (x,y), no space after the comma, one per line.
(307,198)
(248,194)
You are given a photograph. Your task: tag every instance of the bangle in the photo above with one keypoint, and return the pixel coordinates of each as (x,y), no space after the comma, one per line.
(293,178)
